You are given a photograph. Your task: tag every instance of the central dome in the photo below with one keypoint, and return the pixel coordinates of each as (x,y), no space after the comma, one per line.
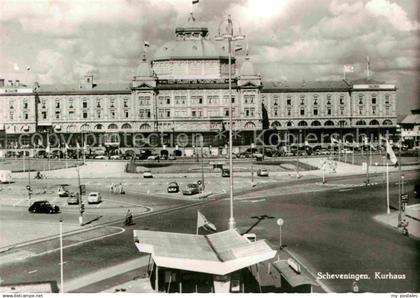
(190,49)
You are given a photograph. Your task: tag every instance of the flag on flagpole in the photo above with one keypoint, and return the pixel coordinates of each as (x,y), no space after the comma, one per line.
(195,1)
(391,155)
(203,222)
(348,68)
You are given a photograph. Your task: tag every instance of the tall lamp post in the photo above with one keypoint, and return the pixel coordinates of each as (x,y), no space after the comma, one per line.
(229,36)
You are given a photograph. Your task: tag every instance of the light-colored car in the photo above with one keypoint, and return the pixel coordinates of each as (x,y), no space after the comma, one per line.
(62,192)
(94,198)
(100,157)
(147,174)
(191,189)
(73,199)
(114,157)
(262,173)
(153,157)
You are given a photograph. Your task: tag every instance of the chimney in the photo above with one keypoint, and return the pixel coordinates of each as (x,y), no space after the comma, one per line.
(1,83)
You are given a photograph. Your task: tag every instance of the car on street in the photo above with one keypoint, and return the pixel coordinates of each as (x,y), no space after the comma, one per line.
(225,173)
(262,172)
(114,157)
(43,207)
(191,189)
(62,192)
(100,157)
(172,157)
(94,198)
(173,187)
(73,199)
(147,174)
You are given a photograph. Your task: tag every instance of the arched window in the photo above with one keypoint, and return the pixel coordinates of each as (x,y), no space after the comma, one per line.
(316,123)
(84,127)
(302,123)
(387,122)
(145,126)
(374,122)
(329,123)
(99,127)
(342,123)
(275,124)
(289,124)
(126,126)
(360,122)
(113,126)
(249,125)
(71,128)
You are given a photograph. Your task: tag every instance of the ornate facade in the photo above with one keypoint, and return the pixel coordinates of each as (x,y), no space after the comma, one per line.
(184,90)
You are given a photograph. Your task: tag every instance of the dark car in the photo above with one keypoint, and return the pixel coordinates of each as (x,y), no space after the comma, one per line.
(43,207)
(173,187)
(225,173)
(191,189)
(417,190)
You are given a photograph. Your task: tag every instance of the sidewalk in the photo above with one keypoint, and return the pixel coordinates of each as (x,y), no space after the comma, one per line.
(411,216)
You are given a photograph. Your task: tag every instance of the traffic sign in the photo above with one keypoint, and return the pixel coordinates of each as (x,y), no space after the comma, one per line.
(280,222)
(404,198)
(82,189)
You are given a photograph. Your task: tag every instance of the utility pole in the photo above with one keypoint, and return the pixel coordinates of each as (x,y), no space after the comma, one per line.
(202,166)
(81,204)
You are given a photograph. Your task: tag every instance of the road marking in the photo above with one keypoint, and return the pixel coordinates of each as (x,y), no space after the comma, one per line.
(122,230)
(346,189)
(33,271)
(18,202)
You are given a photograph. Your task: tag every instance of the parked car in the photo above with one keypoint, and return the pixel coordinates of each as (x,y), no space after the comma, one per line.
(172,157)
(100,157)
(225,173)
(191,189)
(43,207)
(114,157)
(147,174)
(94,198)
(262,172)
(173,187)
(73,199)
(153,157)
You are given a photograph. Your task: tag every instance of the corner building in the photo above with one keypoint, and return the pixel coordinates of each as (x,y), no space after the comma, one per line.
(183,92)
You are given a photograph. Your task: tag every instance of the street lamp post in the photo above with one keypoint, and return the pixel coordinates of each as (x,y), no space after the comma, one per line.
(228,35)
(280,223)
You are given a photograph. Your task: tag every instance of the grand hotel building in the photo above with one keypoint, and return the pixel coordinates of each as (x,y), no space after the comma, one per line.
(184,90)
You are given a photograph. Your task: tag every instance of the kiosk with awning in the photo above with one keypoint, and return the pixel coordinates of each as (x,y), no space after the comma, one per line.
(212,262)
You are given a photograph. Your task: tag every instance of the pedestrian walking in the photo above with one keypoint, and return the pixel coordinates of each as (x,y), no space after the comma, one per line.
(129,218)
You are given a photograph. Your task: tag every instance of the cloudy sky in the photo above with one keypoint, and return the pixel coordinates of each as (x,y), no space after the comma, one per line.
(290,40)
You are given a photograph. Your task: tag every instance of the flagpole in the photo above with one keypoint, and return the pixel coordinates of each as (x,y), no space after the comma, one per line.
(196,232)
(387,189)
(61,258)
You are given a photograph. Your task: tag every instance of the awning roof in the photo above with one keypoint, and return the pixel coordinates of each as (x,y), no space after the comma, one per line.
(293,278)
(220,253)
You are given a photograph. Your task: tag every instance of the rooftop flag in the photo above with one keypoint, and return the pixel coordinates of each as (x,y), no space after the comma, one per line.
(348,68)
(203,222)
(195,1)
